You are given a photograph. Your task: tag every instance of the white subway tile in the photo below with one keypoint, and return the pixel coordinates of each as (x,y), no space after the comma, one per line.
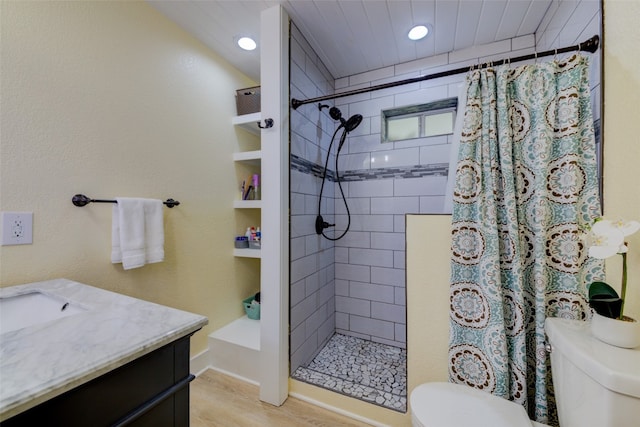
(297,247)
(371,222)
(349,162)
(371,188)
(374,257)
(342,321)
(326,295)
(393,241)
(296,204)
(378,328)
(369,291)
(394,205)
(342,287)
(301,311)
(366,144)
(400,296)
(360,273)
(355,306)
(395,158)
(401,332)
(298,336)
(353,239)
(421,96)
(342,253)
(399,223)
(431,154)
(297,293)
(311,284)
(372,108)
(302,267)
(357,206)
(428,185)
(399,259)
(390,312)
(388,276)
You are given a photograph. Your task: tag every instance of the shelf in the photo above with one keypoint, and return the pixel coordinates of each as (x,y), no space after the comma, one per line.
(247,253)
(248,122)
(251,157)
(247,204)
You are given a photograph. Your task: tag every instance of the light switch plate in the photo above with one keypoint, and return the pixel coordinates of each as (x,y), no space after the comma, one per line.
(17,228)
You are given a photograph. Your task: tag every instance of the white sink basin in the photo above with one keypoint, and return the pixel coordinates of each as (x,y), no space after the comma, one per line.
(20,311)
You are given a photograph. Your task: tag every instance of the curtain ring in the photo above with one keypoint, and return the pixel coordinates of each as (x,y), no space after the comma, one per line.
(535,53)
(579,47)
(555,54)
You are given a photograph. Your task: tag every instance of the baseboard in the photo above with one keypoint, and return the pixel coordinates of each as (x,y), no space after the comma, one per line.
(236,376)
(200,363)
(338,410)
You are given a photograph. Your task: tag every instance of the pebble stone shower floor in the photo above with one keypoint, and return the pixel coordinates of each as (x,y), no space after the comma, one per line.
(365,370)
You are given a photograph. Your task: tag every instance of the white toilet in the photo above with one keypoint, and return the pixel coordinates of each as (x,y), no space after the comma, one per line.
(596,385)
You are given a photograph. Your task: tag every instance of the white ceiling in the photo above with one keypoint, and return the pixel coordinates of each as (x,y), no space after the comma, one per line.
(353,36)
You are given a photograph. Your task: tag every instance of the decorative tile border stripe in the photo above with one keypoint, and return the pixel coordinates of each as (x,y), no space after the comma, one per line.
(416,171)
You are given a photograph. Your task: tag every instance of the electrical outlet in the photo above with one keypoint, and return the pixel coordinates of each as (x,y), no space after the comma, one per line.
(17,228)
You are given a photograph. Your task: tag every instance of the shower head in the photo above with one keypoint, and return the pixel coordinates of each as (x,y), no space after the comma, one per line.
(348,125)
(352,123)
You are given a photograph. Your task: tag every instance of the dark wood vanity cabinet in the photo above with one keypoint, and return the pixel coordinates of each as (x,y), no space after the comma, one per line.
(150,391)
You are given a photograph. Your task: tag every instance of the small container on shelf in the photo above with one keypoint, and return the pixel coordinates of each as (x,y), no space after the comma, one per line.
(248,100)
(252,307)
(242,242)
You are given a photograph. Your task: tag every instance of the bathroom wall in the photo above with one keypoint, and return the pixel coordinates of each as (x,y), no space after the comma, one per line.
(312,295)
(112,99)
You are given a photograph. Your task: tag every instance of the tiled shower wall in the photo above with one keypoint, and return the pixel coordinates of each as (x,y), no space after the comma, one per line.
(312,288)
(357,286)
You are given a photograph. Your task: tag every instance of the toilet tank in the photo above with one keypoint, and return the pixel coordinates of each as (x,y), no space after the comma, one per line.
(596,384)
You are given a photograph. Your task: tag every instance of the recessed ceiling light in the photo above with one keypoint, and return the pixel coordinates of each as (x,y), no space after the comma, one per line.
(418,32)
(246,43)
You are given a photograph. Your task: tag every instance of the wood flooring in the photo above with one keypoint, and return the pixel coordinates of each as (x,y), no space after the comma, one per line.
(218,400)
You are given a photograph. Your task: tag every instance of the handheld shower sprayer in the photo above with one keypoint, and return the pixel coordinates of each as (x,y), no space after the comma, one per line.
(347,126)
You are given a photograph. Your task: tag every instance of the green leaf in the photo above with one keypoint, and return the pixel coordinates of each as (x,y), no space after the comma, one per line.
(601,288)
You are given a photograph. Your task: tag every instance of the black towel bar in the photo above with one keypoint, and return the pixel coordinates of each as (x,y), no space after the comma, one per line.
(82,200)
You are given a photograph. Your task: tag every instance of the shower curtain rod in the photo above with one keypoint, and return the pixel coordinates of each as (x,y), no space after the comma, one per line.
(590,45)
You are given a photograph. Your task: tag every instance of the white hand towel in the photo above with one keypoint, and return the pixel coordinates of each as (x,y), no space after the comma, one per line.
(154,231)
(137,232)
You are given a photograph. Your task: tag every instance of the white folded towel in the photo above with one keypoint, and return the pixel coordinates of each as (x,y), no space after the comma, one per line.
(137,232)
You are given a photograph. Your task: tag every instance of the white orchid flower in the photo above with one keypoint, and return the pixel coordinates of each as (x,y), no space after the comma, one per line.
(607,239)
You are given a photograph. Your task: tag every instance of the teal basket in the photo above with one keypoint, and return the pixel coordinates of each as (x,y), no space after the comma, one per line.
(252,310)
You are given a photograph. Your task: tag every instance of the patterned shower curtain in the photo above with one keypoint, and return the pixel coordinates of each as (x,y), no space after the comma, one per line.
(526,184)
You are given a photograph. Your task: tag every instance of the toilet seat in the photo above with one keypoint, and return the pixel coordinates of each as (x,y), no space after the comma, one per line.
(455,405)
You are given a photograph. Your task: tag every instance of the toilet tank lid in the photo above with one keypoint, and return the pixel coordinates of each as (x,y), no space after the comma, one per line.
(617,369)
(449,405)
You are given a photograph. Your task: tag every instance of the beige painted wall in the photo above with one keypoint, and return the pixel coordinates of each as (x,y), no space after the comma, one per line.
(112,99)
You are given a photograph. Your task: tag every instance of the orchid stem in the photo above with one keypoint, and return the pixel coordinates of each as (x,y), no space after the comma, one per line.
(623,290)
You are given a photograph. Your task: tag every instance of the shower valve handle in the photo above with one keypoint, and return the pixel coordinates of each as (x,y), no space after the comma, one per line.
(321,224)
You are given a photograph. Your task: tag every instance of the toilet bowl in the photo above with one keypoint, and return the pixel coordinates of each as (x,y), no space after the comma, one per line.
(596,384)
(454,405)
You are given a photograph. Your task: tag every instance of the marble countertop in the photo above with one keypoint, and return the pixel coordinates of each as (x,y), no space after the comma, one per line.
(44,360)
